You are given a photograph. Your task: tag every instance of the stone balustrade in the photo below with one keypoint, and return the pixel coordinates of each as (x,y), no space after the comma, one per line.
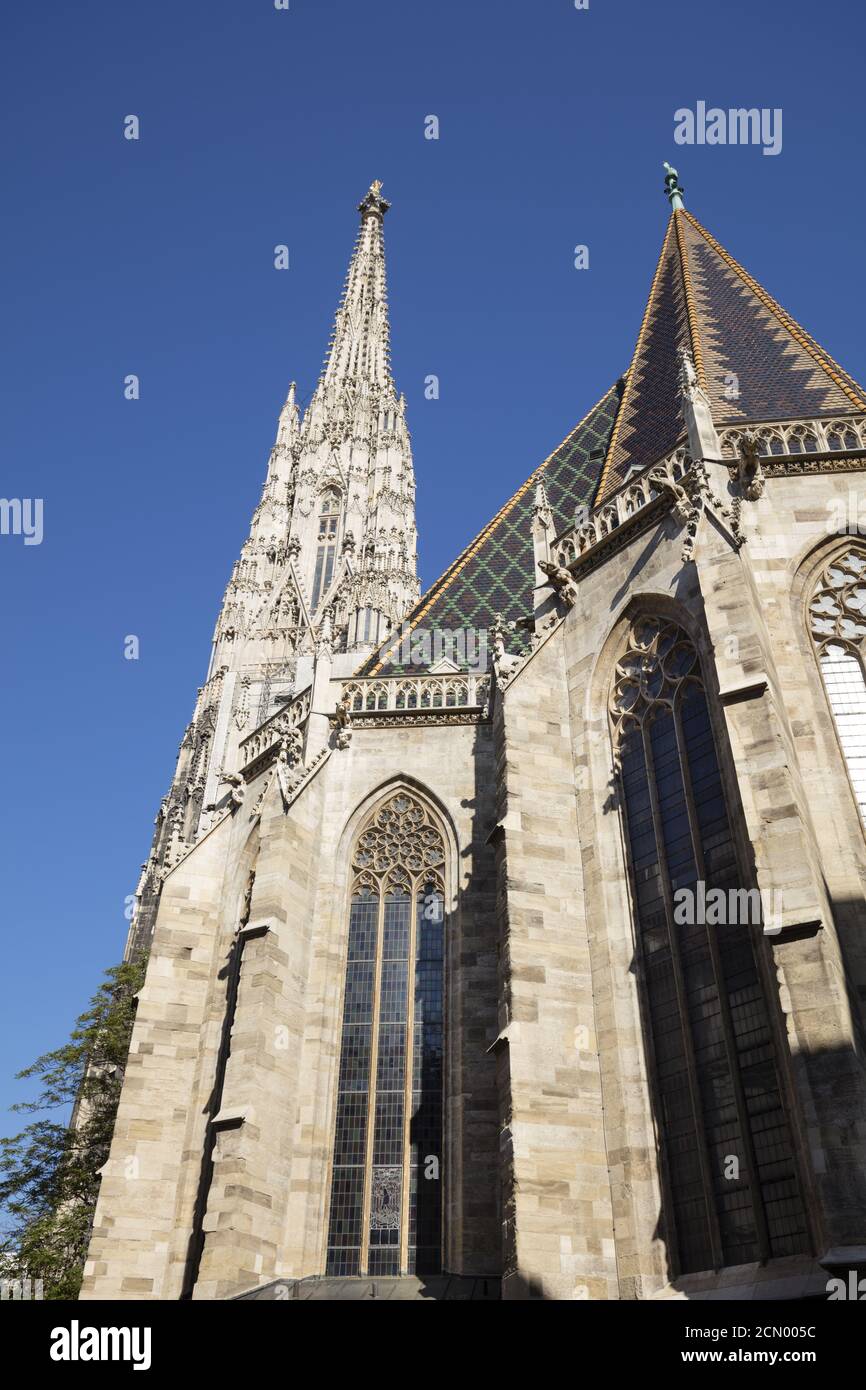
(626,502)
(796,437)
(269,735)
(370,695)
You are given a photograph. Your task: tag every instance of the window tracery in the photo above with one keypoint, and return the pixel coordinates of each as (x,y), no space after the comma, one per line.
(837,622)
(729,1174)
(329,521)
(386,1208)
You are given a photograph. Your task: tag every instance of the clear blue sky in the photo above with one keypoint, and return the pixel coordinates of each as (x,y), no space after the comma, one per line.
(261,127)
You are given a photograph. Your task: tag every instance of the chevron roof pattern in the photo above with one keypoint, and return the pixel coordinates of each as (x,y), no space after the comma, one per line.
(752,358)
(495,573)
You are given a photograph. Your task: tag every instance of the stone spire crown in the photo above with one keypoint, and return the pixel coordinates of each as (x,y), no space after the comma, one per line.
(353,515)
(359,349)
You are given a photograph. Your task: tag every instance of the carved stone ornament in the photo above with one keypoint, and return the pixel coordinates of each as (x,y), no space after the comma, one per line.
(341,722)
(291,748)
(400,847)
(506,666)
(238,788)
(242,711)
(659,657)
(325,638)
(688,375)
(561,580)
(748,470)
(683,508)
(837,612)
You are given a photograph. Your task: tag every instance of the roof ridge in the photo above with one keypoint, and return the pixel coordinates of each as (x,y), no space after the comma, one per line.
(629,376)
(450,573)
(691,306)
(837,373)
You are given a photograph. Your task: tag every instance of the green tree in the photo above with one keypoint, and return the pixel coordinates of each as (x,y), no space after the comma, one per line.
(49,1173)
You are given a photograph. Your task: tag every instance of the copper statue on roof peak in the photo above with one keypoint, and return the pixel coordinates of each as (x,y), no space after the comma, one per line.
(673,188)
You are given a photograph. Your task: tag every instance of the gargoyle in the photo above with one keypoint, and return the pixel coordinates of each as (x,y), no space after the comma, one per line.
(683,506)
(238,788)
(560,579)
(342,722)
(747,470)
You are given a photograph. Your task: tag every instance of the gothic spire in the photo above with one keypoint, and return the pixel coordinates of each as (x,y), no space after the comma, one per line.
(353,517)
(359,349)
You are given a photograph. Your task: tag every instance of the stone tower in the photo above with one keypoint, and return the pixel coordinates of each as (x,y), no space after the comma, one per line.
(332,544)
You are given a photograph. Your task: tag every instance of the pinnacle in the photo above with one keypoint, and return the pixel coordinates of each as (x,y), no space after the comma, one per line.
(373,204)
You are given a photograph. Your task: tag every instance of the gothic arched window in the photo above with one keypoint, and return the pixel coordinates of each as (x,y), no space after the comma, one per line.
(329,521)
(837,617)
(731,1190)
(386,1208)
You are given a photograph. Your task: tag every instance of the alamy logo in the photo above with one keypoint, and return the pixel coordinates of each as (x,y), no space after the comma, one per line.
(21,1289)
(728,907)
(22,516)
(737,126)
(77,1343)
(465,646)
(854,1291)
(846,517)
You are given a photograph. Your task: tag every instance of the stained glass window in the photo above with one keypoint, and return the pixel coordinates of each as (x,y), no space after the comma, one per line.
(386,1204)
(837,618)
(731,1189)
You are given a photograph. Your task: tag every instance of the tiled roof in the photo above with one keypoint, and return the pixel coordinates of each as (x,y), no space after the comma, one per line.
(700,299)
(755,361)
(650,421)
(495,573)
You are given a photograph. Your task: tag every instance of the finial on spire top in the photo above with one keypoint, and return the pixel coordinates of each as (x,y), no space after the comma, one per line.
(373,204)
(673,188)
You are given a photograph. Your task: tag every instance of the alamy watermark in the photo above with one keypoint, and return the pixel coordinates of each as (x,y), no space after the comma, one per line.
(727,907)
(77,1343)
(737,126)
(22,516)
(846,516)
(466,647)
(21,1290)
(850,1290)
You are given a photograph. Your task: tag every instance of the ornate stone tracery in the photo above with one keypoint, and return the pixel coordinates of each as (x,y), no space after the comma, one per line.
(400,845)
(704,1004)
(384,1219)
(837,611)
(837,623)
(797,437)
(659,659)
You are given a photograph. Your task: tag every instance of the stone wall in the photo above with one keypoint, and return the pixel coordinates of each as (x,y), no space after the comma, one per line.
(271,1000)
(558,1217)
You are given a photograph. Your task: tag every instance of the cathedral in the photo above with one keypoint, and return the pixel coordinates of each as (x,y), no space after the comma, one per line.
(507,941)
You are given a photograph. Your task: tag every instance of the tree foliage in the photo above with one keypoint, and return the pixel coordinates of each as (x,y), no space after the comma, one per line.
(49,1173)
